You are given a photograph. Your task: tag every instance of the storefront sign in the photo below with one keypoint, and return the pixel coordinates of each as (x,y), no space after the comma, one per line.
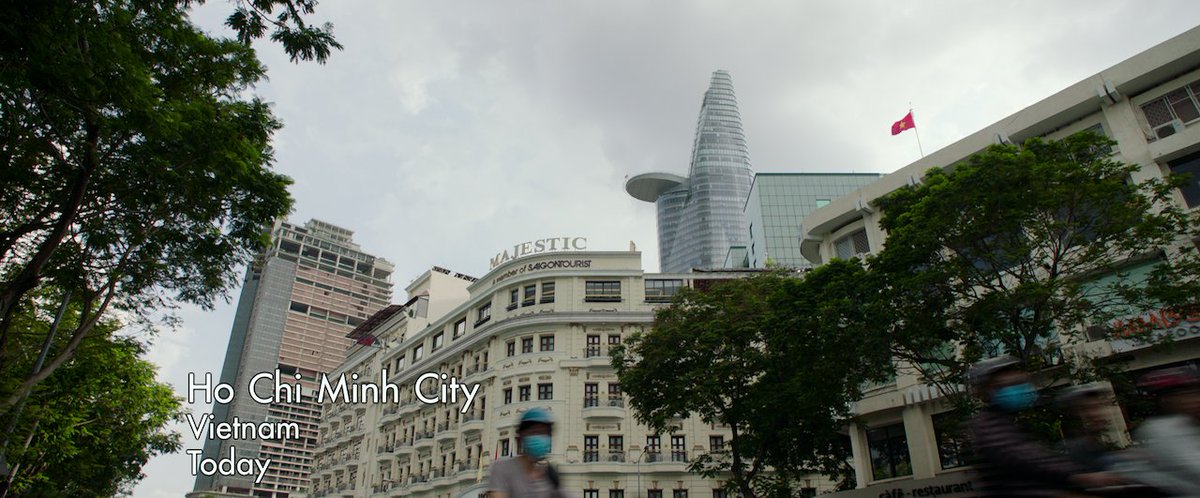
(957,484)
(1145,331)
(538,247)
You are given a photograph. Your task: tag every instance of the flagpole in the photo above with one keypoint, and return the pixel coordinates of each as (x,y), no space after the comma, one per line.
(916,131)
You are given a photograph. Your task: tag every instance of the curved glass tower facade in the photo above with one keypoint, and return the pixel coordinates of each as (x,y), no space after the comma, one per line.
(700,217)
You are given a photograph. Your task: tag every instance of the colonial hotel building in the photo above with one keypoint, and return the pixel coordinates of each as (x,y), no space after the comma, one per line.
(534,331)
(1149,104)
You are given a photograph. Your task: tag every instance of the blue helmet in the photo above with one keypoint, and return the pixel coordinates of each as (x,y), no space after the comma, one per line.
(535,416)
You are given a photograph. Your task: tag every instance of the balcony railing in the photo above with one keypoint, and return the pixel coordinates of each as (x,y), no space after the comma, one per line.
(616,401)
(592,352)
(591,401)
(679,456)
(591,456)
(616,456)
(652,456)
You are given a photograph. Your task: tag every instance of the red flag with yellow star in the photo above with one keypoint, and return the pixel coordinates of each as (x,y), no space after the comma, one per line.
(903,124)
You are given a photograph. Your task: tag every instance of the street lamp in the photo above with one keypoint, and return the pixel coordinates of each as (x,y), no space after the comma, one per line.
(638,463)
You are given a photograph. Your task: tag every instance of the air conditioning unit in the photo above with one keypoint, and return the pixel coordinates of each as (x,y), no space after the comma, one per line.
(1168,129)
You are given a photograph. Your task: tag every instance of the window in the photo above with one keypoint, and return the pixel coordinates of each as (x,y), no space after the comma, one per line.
(508,396)
(852,245)
(510,347)
(603,291)
(437,341)
(591,448)
(716,444)
(889,452)
(484,314)
(653,448)
(678,493)
(1179,105)
(719,493)
(1190,190)
(591,395)
(591,493)
(616,444)
(822,203)
(545,391)
(546,343)
(616,493)
(653,493)
(662,291)
(547,292)
(954,448)
(523,393)
(530,295)
(300,307)
(614,395)
(513,296)
(526,345)
(593,346)
(399,363)
(504,443)
(417,353)
(678,448)
(460,328)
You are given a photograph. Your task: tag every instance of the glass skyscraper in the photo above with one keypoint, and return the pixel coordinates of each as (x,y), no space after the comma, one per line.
(701,216)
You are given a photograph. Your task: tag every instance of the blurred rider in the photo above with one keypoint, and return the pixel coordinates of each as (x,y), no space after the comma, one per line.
(1012,462)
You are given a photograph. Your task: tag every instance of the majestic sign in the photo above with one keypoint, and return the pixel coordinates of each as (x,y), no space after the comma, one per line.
(539,246)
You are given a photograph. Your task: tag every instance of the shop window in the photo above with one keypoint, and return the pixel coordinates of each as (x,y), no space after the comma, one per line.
(889,452)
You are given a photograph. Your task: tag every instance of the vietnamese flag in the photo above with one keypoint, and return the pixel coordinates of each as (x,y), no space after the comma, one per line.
(903,124)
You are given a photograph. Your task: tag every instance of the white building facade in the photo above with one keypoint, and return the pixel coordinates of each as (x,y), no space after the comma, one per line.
(1150,105)
(534,332)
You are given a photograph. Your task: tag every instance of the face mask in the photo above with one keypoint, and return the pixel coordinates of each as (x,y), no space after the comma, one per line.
(1015,398)
(536,446)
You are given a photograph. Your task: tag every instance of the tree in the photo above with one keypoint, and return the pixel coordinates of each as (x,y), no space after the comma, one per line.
(1021,248)
(93,424)
(765,357)
(134,168)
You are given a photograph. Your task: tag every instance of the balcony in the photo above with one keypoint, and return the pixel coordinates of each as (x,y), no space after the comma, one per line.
(652,456)
(445,432)
(616,456)
(679,456)
(475,370)
(463,467)
(593,352)
(591,456)
(595,407)
(423,439)
(472,422)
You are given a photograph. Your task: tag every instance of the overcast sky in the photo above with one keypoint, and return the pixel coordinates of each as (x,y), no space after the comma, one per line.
(447,131)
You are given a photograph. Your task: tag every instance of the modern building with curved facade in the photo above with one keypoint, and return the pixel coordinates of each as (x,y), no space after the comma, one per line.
(701,216)
(534,332)
(1150,105)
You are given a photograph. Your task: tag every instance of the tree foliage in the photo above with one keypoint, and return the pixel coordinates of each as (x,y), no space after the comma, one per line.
(134,164)
(765,356)
(1005,253)
(91,426)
